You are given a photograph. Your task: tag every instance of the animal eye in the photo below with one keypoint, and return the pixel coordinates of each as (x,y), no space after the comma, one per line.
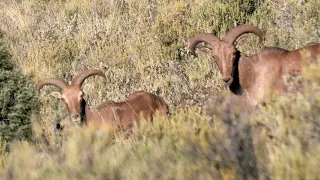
(81,96)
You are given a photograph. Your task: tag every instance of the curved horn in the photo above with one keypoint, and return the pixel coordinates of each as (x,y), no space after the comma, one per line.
(52,81)
(202,37)
(78,80)
(234,33)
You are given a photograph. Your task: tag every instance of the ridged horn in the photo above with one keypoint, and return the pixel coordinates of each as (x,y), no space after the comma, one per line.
(202,37)
(234,33)
(52,81)
(78,80)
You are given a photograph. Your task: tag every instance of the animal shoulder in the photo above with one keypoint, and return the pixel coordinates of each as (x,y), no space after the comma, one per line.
(272,50)
(108,104)
(137,94)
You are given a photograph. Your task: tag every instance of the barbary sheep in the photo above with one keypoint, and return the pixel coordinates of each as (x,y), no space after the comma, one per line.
(140,104)
(251,77)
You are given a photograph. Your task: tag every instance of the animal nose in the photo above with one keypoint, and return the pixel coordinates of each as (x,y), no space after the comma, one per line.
(226,79)
(75,116)
(59,127)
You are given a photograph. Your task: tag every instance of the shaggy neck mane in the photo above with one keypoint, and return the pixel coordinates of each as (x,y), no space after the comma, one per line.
(235,87)
(84,112)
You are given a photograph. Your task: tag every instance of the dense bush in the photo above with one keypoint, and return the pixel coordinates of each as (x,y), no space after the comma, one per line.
(281,142)
(17,100)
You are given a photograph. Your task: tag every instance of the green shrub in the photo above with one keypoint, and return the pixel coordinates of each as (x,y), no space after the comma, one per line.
(288,138)
(17,100)
(182,147)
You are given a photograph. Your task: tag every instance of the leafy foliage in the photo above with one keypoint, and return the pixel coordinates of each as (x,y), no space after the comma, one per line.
(17,100)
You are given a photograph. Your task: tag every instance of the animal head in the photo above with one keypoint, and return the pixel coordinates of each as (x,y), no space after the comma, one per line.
(224,51)
(164,107)
(71,95)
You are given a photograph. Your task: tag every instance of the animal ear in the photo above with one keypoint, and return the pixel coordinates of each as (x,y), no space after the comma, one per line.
(205,49)
(86,87)
(241,40)
(56,95)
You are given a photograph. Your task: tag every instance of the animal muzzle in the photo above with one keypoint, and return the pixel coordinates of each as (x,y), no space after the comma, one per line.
(228,80)
(76,119)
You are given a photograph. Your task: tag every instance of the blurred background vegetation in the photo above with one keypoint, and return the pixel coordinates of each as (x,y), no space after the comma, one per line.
(18,100)
(142,45)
